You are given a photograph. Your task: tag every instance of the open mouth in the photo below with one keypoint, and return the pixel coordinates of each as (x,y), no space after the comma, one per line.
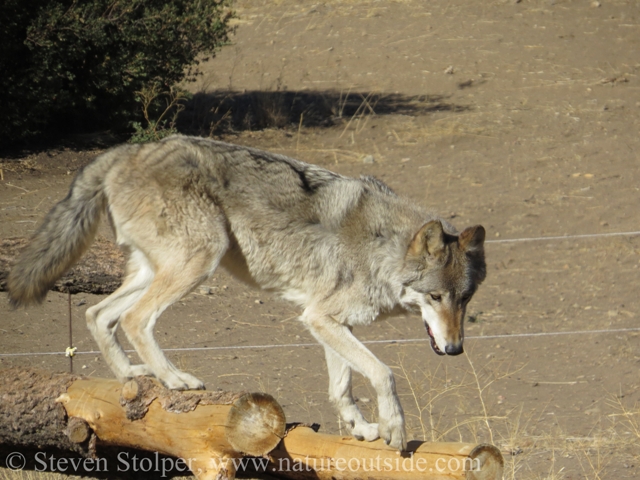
(434,346)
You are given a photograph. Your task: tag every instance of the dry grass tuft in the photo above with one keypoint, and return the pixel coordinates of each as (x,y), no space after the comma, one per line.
(444,404)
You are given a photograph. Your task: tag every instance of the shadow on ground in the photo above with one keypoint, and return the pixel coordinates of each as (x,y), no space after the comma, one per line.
(223,111)
(220,112)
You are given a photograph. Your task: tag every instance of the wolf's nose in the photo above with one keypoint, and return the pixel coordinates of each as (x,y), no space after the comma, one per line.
(452,349)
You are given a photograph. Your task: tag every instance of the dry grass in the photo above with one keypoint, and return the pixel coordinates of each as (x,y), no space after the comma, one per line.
(6,474)
(445,405)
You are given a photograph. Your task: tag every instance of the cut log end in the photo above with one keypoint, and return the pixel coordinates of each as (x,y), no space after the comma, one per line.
(130,390)
(77,430)
(255,424)
(487,463)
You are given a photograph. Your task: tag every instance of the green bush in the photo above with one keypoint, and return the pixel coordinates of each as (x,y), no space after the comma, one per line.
(71,65)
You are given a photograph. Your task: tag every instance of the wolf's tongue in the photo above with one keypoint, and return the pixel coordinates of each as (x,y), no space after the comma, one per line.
(434,346)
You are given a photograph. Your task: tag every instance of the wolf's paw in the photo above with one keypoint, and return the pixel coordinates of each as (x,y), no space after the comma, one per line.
(181,381)
(366,431)
(393,434)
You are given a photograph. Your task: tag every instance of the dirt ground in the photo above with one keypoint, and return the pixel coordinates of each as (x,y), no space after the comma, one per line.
(522,116)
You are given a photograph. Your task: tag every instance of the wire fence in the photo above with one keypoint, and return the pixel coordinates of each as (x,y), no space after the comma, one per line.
(71,352)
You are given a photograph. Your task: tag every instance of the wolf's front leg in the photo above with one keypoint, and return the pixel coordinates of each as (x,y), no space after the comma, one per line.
(339,338)
(340,394)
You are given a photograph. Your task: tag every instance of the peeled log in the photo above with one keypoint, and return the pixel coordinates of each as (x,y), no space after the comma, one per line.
(80,413)
(209,430)
(194,426)
(305,454)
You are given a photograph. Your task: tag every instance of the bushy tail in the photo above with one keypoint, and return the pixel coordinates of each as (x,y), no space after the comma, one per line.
(66,233)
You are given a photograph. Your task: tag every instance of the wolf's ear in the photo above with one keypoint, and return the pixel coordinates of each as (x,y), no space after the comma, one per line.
(429,239)
(472,238)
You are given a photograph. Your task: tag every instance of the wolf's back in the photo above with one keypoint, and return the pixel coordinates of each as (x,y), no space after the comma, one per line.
(66,233)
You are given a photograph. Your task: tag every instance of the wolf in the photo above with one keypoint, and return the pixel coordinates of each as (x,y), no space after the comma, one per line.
(348,251)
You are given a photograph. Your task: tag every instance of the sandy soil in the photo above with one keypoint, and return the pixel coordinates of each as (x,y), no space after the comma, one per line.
(520,116)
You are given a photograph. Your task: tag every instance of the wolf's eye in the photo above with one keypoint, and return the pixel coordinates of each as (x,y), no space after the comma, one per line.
(436,297)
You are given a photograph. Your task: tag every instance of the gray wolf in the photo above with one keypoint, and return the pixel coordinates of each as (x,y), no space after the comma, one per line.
(346,250)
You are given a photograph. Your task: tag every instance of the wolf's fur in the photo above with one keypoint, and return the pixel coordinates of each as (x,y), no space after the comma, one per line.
(346,250)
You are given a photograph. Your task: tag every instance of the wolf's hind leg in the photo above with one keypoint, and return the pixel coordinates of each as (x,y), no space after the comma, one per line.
(341,396)
(103,318)
(174,279)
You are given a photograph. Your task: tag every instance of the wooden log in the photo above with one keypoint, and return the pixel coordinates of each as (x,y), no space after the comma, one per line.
(99,271)
(305,454)
(29,414)
(206,430)
(210,431)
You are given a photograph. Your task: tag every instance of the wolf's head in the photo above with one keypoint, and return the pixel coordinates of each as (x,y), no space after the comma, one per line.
(444,272)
